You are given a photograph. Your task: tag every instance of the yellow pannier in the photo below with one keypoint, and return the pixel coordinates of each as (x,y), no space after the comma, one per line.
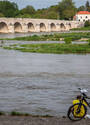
(82,109)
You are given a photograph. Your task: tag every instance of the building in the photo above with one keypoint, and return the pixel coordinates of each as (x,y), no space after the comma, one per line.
(82,16)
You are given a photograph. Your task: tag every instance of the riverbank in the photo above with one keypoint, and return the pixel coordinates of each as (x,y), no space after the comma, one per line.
(28,120)
(53,36)
(81,29)
(57,48)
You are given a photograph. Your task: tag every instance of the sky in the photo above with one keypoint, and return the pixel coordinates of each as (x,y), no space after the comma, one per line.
(38,4)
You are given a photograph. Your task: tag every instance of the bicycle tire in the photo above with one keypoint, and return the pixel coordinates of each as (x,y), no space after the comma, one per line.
(71,112)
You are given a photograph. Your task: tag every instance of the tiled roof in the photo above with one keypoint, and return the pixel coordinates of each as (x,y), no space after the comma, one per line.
(83,12)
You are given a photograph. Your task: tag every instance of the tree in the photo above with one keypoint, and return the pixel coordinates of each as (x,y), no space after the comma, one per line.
(66,9)
(87,24)
(87,5)
(8,8)
(81,8)
(1,15)
(28,10)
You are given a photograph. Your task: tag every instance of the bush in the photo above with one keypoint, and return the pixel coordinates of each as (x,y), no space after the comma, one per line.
(68,40)
(89,42)
(87,24)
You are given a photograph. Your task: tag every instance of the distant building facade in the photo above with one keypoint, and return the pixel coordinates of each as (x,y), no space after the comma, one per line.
(82,16)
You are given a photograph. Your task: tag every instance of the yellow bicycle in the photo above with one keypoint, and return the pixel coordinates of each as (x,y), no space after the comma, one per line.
(79,108)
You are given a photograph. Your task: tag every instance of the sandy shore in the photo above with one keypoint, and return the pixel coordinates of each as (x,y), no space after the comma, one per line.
(29,120)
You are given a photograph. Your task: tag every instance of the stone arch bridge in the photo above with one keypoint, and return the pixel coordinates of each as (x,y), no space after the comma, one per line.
(24,25)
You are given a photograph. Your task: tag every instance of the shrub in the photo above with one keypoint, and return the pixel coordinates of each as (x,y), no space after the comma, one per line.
(89,42)
(68,40)
(87,24)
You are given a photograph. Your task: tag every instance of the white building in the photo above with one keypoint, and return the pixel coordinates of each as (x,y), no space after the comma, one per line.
(82,16)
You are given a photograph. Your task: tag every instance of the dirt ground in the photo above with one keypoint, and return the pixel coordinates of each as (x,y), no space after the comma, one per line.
(28,120)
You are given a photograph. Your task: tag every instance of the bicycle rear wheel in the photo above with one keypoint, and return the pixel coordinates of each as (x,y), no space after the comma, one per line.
(77,112)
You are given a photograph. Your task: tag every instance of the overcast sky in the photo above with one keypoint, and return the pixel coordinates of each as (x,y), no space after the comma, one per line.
(38,4)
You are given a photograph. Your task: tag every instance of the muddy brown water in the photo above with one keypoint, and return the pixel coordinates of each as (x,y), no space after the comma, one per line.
(41,83)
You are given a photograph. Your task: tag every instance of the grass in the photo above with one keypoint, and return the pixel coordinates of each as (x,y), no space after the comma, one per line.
(53,37)
(81,29)
(14,113)
(52,48)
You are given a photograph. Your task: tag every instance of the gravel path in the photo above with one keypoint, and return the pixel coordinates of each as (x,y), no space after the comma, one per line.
(28,120)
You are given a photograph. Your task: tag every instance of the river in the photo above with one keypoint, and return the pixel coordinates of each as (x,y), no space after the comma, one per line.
(41,84)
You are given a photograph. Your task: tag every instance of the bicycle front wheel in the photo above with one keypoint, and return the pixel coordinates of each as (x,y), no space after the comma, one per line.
(77,112)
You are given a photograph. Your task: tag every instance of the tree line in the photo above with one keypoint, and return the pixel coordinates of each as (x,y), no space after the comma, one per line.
(65,10)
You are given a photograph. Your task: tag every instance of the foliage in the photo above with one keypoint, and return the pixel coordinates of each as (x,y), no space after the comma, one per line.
(89,42)
(87,24)
(8,8)
(52,48)
(87,6)
(14,113)
(66,9)
(81,29)
(68,40)
(28,10)
(1,15)
(55,37)
(81,8)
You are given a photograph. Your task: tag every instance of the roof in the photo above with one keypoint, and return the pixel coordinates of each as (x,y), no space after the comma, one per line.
(83,12)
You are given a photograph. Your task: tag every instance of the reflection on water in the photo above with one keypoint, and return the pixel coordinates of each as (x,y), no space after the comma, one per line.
(41,83)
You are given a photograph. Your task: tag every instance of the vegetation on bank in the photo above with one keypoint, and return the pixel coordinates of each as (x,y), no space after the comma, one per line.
(81,29)
(15,113)
(55,37)
(56,48)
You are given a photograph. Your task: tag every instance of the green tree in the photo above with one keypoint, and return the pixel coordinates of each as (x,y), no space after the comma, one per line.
(8,8)
(81,8)
(28,10)
(1,15)
(87,6)
(66,9)
(87,24)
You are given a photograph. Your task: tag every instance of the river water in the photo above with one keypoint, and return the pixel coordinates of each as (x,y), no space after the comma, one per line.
(41,84)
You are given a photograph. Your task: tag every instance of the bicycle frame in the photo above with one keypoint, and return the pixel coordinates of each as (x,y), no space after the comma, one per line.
(88,104)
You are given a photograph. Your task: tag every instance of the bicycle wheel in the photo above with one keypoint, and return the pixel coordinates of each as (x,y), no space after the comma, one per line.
(77,112)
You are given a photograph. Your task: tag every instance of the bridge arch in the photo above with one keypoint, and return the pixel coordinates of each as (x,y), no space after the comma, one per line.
(53,27)
(42,27)
(17,27)
(31,27)
(62,26)
(3,27)
(69,25)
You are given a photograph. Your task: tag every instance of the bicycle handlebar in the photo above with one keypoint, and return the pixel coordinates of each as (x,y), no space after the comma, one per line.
(83,91)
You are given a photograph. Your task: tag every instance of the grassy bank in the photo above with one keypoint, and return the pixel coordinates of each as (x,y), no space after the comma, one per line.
(15,113)
(81,29)
(54,37)
(52,48)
